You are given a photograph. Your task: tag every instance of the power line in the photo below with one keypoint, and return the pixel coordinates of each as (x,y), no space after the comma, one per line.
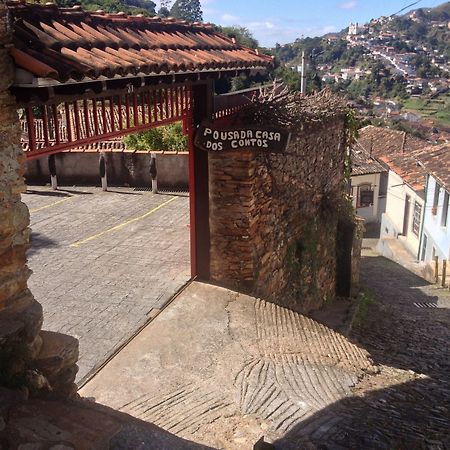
(406,7)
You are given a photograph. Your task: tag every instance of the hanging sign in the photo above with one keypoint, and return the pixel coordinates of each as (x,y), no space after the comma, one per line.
(260,138)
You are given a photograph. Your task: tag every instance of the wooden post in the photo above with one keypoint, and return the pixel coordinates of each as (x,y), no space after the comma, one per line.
(154,173)
(444,272)
(436,269)
(102,169)
(203,109)
(52,170)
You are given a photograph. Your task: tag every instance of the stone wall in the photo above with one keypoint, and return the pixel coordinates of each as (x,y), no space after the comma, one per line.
(29,359)
(274,217)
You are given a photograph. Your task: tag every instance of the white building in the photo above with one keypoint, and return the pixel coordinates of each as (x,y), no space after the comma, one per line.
(401,184)
(366,190)
(405,203)
(354,29)
(436,226)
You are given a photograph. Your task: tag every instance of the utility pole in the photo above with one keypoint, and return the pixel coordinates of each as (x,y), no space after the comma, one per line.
(303,74)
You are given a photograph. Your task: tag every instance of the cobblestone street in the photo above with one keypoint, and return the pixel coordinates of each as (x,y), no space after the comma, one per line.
(102,261)
(405,402)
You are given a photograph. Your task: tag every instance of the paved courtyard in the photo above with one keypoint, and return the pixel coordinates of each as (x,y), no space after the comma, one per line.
(102,261)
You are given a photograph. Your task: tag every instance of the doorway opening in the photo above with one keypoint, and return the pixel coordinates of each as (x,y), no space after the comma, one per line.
(106,259)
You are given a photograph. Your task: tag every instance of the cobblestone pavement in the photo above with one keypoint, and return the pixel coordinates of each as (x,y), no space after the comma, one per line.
(405,402)
(102,261)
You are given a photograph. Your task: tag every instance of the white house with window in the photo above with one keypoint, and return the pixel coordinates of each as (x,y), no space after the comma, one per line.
(368,186)
(405,204)
(436,225)
(370,178)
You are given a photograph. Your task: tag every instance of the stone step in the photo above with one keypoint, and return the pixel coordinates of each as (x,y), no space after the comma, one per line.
(58,352)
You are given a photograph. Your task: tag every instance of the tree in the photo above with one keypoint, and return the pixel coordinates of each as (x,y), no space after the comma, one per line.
(146,7)
(189,10)
(242,35)
(166,137)
(164,10)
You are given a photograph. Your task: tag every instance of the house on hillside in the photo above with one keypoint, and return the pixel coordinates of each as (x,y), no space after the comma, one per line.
(367,192)
(436,224)
(369,169)
(405,203)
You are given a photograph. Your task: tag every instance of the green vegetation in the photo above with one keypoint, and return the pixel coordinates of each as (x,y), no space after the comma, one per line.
(362,312)
(146,7)
(242,35)
(189,10)
(167,137)
(421,33)
(436,109)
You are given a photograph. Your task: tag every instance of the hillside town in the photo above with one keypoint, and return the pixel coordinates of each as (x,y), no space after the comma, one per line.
(213,240)
(411,55)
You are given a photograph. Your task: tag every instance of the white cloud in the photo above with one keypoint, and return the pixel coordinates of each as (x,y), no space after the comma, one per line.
(348,5)
(273,30)
(264,25)
(229,18)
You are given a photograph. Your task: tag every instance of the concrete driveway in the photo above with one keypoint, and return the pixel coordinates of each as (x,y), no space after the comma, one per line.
(223,369)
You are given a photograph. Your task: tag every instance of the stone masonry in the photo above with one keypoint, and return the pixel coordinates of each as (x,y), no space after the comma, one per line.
(274,217)
(30,360)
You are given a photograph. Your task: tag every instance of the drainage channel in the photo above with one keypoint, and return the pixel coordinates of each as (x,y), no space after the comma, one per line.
(181,192)
(425,305)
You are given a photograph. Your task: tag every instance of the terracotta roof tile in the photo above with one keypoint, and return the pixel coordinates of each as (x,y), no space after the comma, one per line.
(363,163)
(380,141)
(39,67)
(436,161)
(64,43)
(408,168)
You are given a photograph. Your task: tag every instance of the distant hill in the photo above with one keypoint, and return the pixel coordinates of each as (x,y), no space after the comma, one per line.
(331,47)
(438,13)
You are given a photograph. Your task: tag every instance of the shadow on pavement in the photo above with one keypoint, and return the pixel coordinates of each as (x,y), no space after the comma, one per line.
(61,192)
(125,192)
(372,230)
(75,192)
(394,409)
(395,331)
(388,419)
(40,423)
(47,193)
(40,242)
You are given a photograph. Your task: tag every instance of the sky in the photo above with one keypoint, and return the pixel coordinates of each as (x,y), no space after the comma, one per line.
(283,21)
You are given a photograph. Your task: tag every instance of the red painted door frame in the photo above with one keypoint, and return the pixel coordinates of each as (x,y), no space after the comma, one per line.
(202,109)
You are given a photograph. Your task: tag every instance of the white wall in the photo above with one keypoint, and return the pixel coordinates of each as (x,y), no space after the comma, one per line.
(392,220)
(369,213)
(438,236)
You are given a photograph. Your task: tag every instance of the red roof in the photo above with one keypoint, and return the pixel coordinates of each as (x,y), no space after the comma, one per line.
(436,161)
(70,43)
(381,141)
(407,167)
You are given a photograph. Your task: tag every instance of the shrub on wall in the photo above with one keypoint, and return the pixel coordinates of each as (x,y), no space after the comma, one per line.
(163,138)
